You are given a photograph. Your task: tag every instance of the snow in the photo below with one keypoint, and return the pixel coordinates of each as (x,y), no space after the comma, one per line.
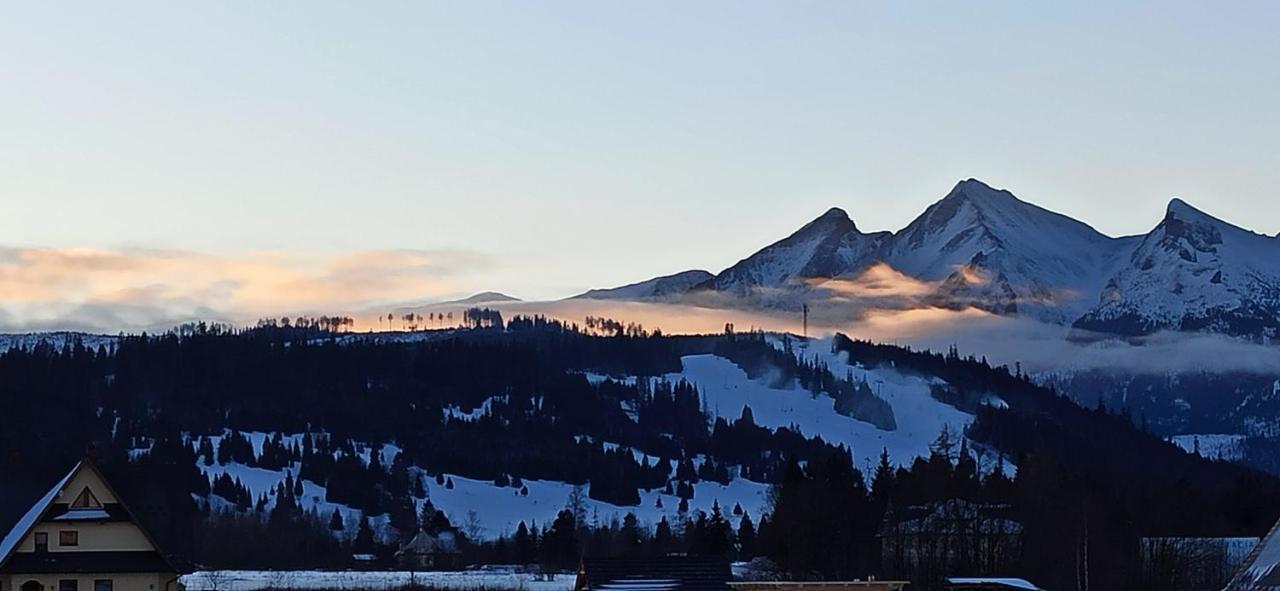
(455,412)
(1223,446)
(1193,264)
(640,585)
(1005,581)
(28,519)
(825,247)
(1266,560)
(500,510)
(1053,265)
(261,481)
(57,339)
(639,456)
(83,515)
(599,378)
(726,389)
(487,578)
(497,510)
(984,247)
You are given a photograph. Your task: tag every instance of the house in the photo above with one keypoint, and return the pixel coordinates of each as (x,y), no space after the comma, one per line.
(990,584)
(76,535)
(930,541)
(1260,570)
(664,573)
(435,552)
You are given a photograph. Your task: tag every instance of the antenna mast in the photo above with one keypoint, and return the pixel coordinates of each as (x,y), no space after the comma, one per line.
(805,309)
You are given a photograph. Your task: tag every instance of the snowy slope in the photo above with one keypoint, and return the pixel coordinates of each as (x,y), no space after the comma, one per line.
(1194,271)
(1220,446)
(829,246)
(497,510)
(668,285)
(984,248)
(993,251)
(726,388)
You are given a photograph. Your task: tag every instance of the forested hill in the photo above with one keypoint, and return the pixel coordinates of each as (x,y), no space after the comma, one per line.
(335,442)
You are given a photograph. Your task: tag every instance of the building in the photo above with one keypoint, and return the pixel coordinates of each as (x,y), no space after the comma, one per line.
(77,535)
(425,551)
(664,573)
(931,541)
(1260,570)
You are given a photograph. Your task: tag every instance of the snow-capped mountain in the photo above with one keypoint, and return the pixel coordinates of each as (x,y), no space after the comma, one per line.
(827,247)
(993,251)
(657,287)
(984,248)
(1193,272)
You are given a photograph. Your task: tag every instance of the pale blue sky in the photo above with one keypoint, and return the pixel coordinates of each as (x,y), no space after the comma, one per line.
(578,145)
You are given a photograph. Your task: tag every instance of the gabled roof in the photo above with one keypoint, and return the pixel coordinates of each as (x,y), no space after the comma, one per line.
(18,529)
(44,506)
(1260,570)
(425,543)
(665,573)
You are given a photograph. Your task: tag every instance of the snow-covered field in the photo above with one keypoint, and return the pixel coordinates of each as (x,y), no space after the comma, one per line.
(487,578)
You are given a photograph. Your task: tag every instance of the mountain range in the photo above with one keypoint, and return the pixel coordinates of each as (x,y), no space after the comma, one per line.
(983,247)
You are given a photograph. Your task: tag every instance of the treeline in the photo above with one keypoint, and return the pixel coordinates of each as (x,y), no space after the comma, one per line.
(532,399)
(1090,482)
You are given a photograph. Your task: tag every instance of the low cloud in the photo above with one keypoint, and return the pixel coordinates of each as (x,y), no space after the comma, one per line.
(138,289)
(1003,340)
(112,290)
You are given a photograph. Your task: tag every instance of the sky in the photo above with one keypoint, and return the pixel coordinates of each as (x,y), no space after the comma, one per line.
(238,157)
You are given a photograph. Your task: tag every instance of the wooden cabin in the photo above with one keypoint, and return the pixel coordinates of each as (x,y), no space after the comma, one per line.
(430,552)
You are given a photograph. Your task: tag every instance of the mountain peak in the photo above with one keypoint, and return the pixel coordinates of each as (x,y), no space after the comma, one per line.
(835,213)
(978,192)
(834,220)
(486,297)
(1184,211)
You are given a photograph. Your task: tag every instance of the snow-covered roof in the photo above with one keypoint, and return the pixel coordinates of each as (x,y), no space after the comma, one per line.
(1259,570)
(83,515)
(28,519)
(1009,582)
(640,585)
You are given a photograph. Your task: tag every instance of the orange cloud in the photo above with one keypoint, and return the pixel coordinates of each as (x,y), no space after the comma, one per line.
(93,288)
(879,281)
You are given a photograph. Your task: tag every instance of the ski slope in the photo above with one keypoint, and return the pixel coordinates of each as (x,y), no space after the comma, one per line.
(726,389)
